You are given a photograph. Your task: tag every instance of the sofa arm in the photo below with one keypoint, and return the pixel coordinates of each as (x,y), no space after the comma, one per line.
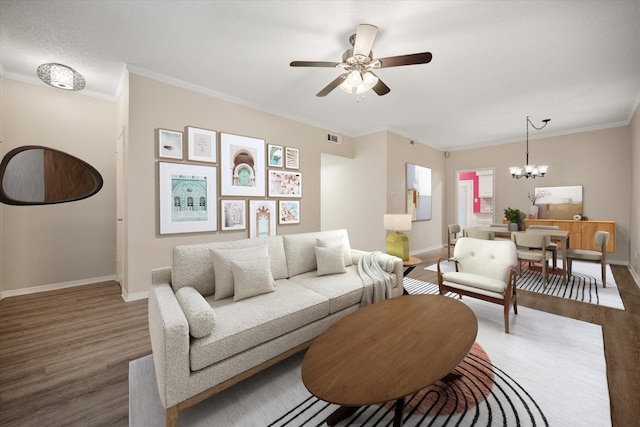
(169,332)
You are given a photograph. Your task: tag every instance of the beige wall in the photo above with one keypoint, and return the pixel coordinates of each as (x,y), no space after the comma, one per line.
(351,192)
(68,243)
(154,105)
(598,160)
(75,243)
(424,235)
(635,192)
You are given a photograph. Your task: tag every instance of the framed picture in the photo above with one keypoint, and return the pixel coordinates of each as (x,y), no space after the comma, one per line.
(169,144)
(285,183)
(234,214)
(242,166)
(292,158)
(274,155)
(202,145)
(187,198)
(262,218)
(289,212)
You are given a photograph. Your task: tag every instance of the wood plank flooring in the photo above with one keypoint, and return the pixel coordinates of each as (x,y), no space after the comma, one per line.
(64,354)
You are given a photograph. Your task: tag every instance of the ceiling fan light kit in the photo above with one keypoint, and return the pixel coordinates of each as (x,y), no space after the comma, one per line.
(358,64)
(530,171)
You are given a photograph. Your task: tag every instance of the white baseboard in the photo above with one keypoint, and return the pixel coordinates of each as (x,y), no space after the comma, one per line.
(421,251)
(127,297)
(55,286)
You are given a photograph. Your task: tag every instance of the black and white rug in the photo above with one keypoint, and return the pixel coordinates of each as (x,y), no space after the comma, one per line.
(585,284)
(549,370)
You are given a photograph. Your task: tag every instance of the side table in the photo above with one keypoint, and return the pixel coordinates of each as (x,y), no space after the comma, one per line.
(409,265)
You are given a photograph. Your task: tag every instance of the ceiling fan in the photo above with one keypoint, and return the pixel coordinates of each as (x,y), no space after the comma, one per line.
(358,64)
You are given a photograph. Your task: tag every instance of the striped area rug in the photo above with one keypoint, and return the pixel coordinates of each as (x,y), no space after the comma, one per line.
(584,285)
(484,395)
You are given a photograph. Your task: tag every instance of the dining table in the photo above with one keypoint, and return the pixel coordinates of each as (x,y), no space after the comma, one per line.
(556,236)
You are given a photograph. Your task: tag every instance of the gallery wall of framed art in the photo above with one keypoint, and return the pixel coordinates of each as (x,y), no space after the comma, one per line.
(225,182)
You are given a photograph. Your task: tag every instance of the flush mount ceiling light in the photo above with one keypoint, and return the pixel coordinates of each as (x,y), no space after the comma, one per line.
(61,76)
(530,171)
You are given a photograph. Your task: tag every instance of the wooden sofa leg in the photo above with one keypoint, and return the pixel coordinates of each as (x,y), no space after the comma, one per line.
(171,416)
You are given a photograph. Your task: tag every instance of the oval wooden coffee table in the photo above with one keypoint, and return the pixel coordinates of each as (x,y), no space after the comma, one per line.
(387,351)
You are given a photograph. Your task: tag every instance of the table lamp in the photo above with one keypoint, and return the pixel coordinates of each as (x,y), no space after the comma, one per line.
(398,243)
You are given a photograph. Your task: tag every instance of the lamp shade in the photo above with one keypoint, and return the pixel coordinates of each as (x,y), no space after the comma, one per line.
(397,222)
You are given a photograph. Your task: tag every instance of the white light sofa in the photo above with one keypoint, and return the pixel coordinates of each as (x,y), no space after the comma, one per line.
(226,310)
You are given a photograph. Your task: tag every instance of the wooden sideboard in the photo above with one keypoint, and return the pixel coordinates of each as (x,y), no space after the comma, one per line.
(581,232)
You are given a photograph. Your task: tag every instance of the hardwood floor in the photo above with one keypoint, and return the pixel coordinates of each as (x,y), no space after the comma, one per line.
(64,354)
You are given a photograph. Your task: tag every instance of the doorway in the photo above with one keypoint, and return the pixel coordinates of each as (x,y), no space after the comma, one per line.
(475,202)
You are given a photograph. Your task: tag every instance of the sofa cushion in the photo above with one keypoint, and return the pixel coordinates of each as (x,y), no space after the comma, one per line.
(300,249)
(249,322)
(329,260)
(474,281)
(199,314)
(193,266)
(251,278)
(222,269)
(343,291)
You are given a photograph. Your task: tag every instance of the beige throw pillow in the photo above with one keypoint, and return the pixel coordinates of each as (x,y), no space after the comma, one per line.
(329,260)
(199,314)
(222,258)
(251,278)
(336,241)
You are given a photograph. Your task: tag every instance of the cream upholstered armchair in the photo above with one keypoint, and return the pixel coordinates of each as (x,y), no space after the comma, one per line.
(452,237)
(485,269)
(601,239)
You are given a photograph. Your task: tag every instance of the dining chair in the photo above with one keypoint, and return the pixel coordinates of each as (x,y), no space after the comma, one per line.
(533,248)
(600,239)
(479,234)
(553,247)
(452,237)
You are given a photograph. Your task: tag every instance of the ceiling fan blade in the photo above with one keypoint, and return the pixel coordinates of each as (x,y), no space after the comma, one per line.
(380,88)
(331,86)
(314,64)
(412,59)
(365,35)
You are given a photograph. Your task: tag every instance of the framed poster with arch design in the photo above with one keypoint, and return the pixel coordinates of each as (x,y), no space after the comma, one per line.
(242,166)
(187,198)
(234,214)
(262,218)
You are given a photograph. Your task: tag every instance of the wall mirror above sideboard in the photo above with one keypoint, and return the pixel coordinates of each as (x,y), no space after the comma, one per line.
(36,175)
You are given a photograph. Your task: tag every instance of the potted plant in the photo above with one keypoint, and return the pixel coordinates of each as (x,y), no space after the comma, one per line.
(515,217)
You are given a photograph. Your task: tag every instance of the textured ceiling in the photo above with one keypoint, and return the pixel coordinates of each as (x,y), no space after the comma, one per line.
(494,62)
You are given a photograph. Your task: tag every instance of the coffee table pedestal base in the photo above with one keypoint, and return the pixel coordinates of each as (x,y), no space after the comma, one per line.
(344,412)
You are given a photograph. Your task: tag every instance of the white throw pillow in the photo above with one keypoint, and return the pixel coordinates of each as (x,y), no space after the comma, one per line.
(251,278)
(336,241)
(197,310)
(329,260)
(223,276)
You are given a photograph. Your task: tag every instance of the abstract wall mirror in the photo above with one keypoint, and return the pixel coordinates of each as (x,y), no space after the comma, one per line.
(35,175)
(418,192)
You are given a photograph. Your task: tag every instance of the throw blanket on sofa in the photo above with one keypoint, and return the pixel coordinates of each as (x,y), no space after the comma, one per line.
(377,281)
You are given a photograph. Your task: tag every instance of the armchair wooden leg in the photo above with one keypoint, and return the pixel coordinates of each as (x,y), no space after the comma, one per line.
(171,416)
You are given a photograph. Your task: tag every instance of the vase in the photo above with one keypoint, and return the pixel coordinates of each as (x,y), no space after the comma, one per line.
(533,212)
(512,226)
